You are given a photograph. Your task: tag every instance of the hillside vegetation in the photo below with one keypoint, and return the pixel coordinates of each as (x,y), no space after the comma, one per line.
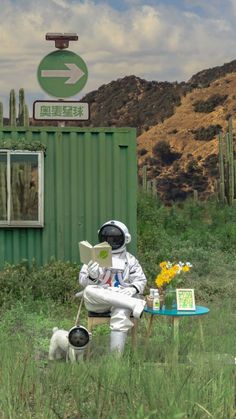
(191,135)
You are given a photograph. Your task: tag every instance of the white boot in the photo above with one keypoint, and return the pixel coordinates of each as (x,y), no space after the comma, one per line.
(138,309)
(117,341)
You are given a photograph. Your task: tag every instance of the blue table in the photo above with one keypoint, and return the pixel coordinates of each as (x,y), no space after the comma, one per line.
(175,315)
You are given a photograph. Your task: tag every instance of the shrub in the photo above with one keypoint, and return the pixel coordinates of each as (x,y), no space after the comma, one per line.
(154,171)
(176,166)
(14,283)
(211,164)
(207,133)
(192,166)
(228,116)
(152,161)
(177,194)
(142,152)
(210,104)
(56,280)
(162,150)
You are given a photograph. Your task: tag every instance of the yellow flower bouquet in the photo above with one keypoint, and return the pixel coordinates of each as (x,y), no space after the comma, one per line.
(170,277)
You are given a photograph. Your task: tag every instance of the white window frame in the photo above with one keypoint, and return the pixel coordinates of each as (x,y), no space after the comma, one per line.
(25,223)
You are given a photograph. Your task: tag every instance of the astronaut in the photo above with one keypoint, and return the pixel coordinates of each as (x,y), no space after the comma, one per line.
(116,289)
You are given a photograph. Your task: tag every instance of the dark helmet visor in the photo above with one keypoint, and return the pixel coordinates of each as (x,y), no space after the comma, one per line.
(112,235)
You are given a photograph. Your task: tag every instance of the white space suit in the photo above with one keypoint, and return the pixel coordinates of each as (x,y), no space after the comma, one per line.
(115,289)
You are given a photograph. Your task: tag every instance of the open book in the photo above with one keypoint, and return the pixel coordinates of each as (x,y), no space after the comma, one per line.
(100,253)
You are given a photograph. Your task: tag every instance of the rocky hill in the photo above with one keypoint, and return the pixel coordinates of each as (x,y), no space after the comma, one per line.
(205,77)
(131,102)
(134,102)
(177,125)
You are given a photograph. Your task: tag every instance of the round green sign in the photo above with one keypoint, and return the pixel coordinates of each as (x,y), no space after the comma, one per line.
(62,73)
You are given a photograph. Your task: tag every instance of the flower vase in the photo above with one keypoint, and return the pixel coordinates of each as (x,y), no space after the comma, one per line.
(170,299)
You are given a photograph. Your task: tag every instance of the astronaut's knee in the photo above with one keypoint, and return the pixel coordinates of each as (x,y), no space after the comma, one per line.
(89,291)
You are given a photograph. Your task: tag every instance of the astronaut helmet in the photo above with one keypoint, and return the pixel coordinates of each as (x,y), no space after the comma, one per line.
(116,234)
(78,337)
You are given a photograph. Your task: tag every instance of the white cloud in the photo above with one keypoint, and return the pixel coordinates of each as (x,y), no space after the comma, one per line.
(156,42)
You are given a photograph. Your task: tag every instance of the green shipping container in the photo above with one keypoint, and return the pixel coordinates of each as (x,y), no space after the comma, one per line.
(90,176)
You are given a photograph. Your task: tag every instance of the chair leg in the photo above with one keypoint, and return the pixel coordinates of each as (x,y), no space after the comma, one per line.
(92,322)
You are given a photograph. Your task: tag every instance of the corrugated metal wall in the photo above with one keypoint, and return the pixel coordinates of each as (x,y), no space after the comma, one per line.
(90,176)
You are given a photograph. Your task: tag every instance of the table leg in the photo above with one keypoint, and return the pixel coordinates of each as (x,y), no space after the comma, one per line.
(149,329)
(175,321)
(201,333)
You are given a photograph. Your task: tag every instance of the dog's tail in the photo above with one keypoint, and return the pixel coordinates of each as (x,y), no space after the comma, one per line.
(54,329)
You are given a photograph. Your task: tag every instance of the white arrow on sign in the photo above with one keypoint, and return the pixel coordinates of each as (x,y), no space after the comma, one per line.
(74,73)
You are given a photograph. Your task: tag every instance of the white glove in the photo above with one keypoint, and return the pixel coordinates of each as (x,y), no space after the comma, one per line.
(93,269)
(129,291)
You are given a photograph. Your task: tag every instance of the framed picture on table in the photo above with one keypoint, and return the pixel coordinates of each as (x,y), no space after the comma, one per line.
(185,299)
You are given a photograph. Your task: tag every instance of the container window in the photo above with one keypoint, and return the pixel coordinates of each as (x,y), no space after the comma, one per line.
(21,189)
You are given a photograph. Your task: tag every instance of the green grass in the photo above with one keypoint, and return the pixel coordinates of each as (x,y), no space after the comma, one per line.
(147,382)
(140,385)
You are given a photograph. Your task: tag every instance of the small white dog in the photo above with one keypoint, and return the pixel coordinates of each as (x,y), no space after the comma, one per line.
(61,349)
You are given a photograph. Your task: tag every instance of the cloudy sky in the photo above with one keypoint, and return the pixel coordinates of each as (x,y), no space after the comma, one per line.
(153,39)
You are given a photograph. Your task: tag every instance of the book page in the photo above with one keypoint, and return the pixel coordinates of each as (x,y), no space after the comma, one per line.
(86,251)
(103,255)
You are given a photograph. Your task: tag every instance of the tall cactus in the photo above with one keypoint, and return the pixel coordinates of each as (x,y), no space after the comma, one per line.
(1,114)
(231,168)
(12,108)
(221,169)
(195,195)
(23,115)
(3,191)
(24,192)
(227,166)
(144,178)
(149,186)
(21,107)
(231,162)
(154,187)
(15,192)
